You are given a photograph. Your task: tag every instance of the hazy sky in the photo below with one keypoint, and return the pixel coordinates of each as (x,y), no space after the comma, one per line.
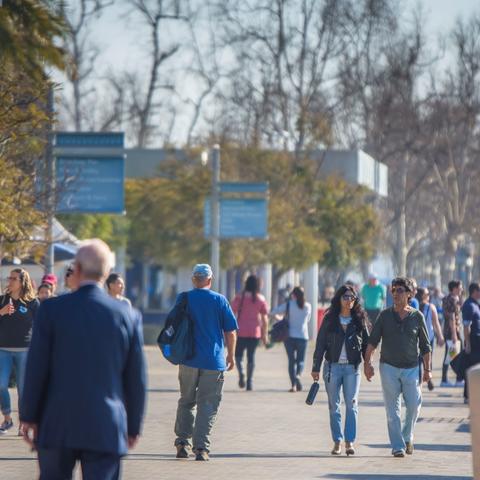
(123,47)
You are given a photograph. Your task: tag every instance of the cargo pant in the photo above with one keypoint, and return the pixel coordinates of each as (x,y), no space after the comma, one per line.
(200,396)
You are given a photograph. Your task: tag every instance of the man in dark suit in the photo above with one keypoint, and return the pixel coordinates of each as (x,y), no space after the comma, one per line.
(84,390)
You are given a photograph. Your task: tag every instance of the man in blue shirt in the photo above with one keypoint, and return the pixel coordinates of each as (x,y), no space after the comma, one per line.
(471,328)
(201,377)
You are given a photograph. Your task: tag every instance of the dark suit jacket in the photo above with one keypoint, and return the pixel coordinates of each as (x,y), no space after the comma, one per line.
(85,375)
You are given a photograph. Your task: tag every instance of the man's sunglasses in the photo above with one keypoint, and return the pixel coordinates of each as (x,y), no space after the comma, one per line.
(348,298)
(399,290)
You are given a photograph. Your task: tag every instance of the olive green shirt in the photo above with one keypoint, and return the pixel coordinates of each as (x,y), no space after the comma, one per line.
(402,340)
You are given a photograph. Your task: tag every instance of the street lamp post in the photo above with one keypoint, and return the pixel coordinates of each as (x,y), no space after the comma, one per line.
(50,182)
(215,205)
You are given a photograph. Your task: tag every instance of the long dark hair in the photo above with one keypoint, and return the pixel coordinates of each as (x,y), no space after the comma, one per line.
(359,316)
(252,285)
(299,294)
(420,293)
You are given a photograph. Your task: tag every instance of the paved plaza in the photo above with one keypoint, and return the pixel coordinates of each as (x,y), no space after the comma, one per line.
(272,434)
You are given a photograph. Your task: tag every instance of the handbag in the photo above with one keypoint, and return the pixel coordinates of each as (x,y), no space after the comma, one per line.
(280,330)
(460,364)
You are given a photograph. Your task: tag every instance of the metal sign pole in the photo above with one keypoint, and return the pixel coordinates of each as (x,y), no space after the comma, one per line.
(50,182)
(215,239)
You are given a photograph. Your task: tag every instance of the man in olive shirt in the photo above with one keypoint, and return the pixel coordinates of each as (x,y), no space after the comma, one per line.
(403,332)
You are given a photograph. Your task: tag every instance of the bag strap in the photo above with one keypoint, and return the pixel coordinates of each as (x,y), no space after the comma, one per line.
(287,311)
(240,306)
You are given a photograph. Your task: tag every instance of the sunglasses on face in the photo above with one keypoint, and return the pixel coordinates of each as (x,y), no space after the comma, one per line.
(399,290)
(348,298)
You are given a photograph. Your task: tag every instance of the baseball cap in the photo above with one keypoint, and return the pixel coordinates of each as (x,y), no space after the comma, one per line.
(202,270)
(50,279)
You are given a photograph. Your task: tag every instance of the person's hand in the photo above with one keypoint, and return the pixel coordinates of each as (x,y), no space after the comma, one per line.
(265,339)
(369,371)
(132,441)
(230,362)
(30,433)
(8,309)
(441,342)
(427,375)
(315,376)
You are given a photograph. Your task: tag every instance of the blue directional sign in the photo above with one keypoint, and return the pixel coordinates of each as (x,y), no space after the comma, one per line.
(239,218)
(90,172)
(90,185)
(239,187)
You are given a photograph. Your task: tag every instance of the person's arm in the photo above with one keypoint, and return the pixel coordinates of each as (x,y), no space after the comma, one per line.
(467,314)
(449,312)
(466,334)
(278,310)
(264,327)
(425,348)
(373,342)
(365,337)
(436,326)
(230,341)
(36,376)
(320,347)
(135,382)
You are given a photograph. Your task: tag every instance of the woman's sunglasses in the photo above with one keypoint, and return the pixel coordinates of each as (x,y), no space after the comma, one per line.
(348,298)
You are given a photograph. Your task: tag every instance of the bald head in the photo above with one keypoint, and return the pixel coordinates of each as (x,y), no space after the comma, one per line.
(94,260)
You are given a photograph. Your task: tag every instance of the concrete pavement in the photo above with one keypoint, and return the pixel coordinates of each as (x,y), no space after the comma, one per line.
(272,434)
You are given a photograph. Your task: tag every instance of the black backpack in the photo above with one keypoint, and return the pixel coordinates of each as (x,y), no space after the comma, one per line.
(176,339)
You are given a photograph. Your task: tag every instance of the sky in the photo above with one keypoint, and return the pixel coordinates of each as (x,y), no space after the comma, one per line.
(123,48)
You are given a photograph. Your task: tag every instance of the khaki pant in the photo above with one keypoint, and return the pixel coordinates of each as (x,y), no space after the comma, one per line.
(200,396)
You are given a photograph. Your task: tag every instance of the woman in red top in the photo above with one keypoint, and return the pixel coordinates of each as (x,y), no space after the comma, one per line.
(251,311)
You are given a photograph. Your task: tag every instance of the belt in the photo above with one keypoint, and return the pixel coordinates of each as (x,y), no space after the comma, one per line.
(343,362)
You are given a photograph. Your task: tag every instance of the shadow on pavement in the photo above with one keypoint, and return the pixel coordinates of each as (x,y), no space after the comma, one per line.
(381,476)
(429,447)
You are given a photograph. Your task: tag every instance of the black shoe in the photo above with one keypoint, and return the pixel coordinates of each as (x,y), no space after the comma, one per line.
(349,448)
(182,451)
(202,456)
(430,385)
(249,385)
(241,381)
(298,384)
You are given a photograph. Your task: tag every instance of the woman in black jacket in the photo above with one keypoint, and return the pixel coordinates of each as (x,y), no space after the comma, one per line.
(342,341)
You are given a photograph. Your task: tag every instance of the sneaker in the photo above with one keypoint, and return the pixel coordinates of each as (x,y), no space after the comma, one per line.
(337,449)
(446,385)
(5,426)
(399,453)
(409,448)
(183,451)
(430,385)
(293,389)
(460,383)
(202,455)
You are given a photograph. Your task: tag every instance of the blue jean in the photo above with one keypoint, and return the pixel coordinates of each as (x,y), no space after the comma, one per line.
(339,376)
(296,348)
(397,382)
(7,359)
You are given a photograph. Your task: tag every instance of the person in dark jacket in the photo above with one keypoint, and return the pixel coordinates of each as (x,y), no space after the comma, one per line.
(342,340)
(17,310)
(84,393)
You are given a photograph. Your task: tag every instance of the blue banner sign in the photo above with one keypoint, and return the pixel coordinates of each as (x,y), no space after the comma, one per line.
(89,139)
(239,218)
(90,185)
(238,187)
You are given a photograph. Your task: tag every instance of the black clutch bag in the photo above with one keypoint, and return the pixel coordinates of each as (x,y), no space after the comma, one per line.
(312,393)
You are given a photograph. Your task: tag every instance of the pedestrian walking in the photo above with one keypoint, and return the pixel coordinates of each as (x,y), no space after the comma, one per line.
(433,328)
(374,295)
(251,310)
(50,279)
(299,315)
(471,325)
(451,329)
(85,383)
(342,341)
(115,288)
(413,300)
(44,291)
(18,307)
(201,378)
(403,333)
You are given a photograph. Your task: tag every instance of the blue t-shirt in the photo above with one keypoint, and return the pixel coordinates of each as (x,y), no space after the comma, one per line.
(212,316)
(471,316)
